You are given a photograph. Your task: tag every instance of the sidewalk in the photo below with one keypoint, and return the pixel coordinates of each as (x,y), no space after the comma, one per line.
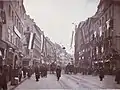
(11,87)
(108,82)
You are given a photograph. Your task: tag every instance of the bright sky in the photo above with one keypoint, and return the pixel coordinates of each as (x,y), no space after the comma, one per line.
(55,17)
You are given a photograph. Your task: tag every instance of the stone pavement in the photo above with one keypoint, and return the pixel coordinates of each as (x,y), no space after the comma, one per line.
(108,82)
(68,82)
(51,82)
(44,83)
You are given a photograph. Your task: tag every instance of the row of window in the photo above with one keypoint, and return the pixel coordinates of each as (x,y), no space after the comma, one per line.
(102,22)
(14,39)
(108,14)
(15,19)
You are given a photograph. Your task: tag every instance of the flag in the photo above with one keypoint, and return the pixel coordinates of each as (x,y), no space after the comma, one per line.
(43,43)
(31,40)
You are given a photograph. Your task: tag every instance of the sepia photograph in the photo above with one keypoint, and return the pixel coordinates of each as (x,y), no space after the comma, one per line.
(59,44)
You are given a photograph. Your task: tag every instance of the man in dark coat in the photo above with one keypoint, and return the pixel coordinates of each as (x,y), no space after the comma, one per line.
(117,76)
(45,70)
(20,73)
(37,73)
(29,72)
(58,72)
(3,80)
(24,71)
(101,74)
(42,70)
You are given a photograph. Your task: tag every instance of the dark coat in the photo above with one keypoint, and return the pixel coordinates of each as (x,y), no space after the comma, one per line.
(101,73)
(3,80)
(24,69)
(37,71)
(58,72)
(117,76)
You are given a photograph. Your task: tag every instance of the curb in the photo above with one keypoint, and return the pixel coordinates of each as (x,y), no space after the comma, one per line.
(18,84)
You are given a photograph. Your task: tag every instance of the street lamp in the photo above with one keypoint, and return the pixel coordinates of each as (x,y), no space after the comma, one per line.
(63,48)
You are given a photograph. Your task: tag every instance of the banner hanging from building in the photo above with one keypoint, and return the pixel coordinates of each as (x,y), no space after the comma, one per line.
(31,40)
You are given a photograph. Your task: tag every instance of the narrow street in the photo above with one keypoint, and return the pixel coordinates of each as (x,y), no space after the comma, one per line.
(66,82)
(43,37)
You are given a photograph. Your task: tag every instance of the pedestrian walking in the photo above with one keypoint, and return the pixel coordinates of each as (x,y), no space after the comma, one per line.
(45,71)
(24,71)
(37,73)
(58,72)
(3,80)
(117,76)
(42,70)
(20,73)
(29,72)
(10,72)
(101,74)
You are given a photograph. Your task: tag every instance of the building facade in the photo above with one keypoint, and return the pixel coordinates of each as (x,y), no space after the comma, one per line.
(12,31)
(33,41)
(97,39)
(49,48)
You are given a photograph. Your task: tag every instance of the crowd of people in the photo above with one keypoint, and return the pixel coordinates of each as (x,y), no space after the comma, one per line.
(41,70)
(100,71)
(8,74)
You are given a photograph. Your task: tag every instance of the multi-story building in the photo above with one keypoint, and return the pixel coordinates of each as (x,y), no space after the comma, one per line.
(101,31)
(78,42)
(33,44)
(83,47)
(13,30)
(3,45)
(49,48)
(107,28)
(37,44)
